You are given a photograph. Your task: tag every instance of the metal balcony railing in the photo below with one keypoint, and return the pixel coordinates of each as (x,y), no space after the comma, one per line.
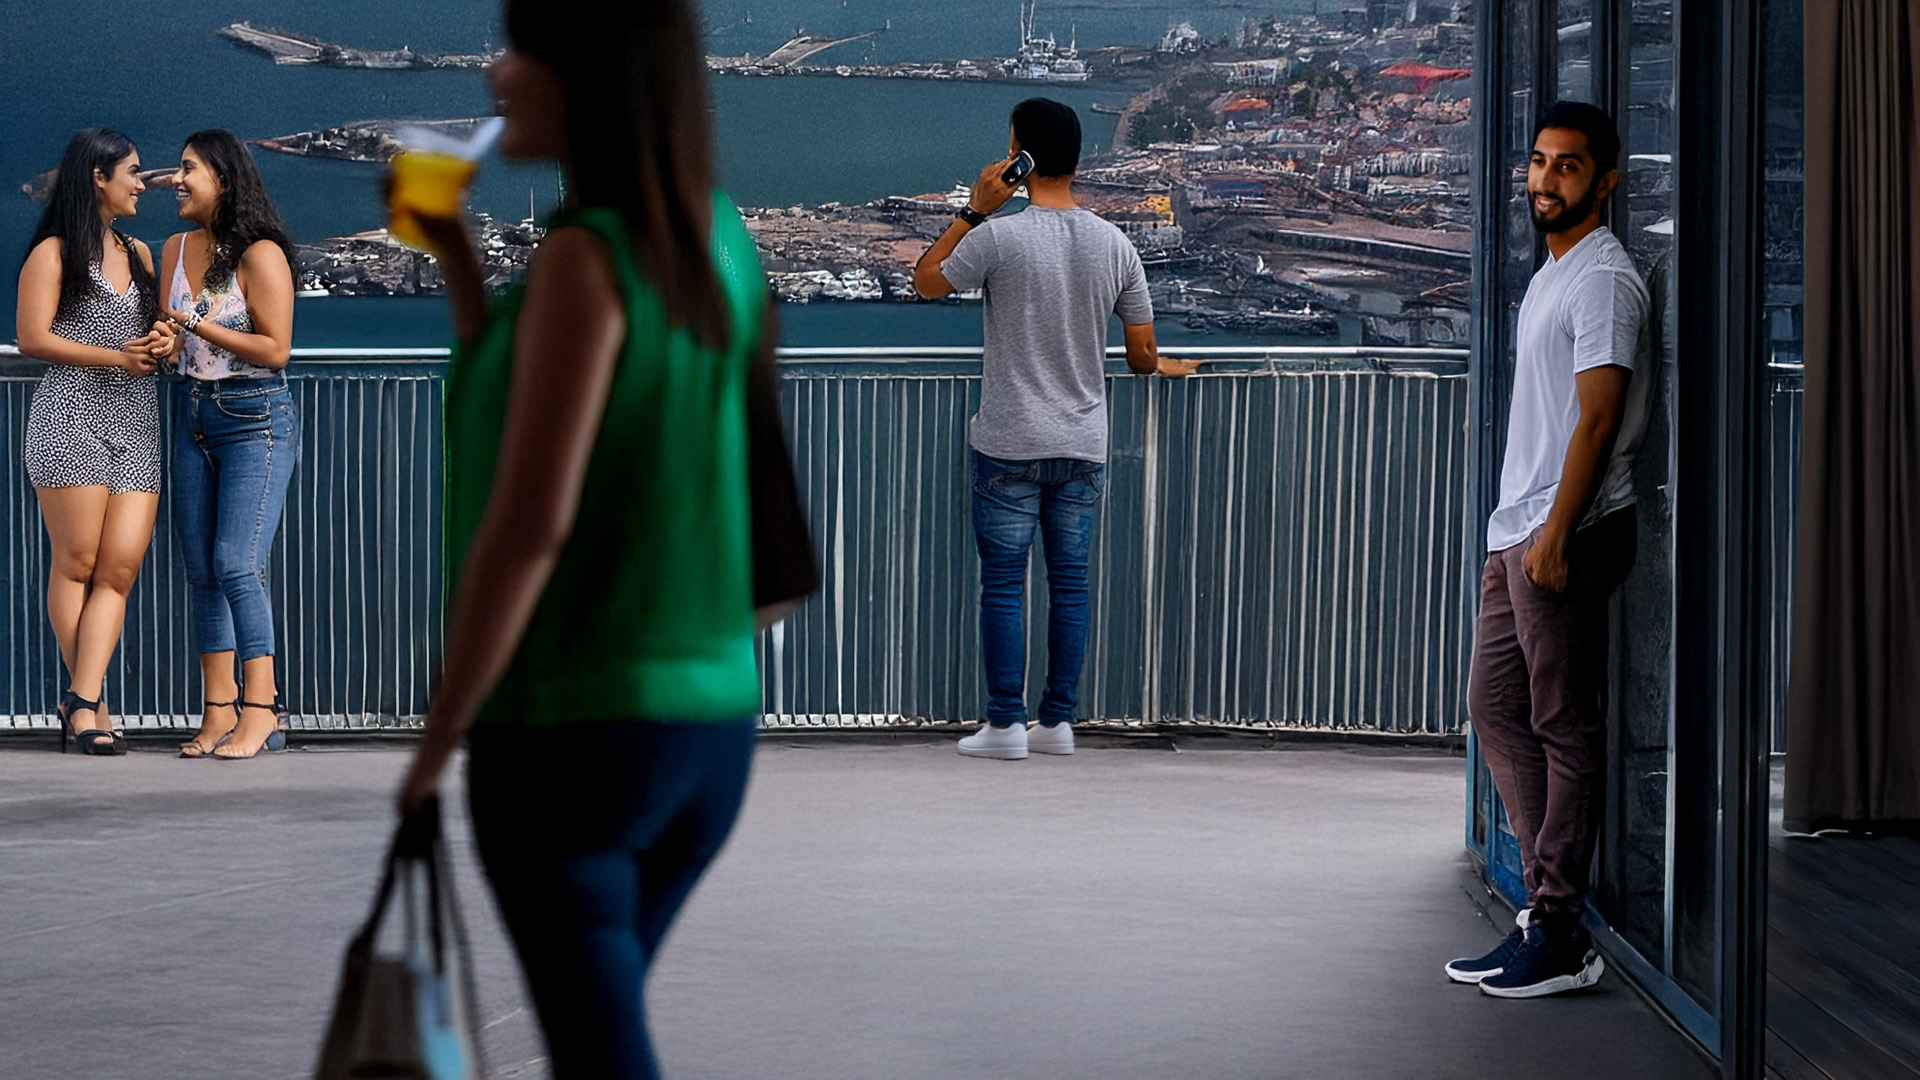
(1282,545)
(354,574)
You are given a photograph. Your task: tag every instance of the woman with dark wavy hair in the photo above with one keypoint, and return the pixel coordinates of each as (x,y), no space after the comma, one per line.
(229,290)
(86,306)
(600,640)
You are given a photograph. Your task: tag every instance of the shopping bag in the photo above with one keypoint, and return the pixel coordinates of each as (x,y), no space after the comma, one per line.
(407,1016)
(785,568)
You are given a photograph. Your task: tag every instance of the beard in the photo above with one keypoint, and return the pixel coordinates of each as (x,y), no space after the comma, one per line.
(1568,217)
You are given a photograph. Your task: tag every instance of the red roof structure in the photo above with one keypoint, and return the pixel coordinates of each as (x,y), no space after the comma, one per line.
(1426,73)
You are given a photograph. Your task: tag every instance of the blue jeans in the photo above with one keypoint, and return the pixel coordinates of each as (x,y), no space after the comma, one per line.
(1010,498)
(235,443)
(593,835)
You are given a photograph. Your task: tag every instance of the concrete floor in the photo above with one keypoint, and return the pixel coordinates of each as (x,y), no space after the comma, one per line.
(886,911)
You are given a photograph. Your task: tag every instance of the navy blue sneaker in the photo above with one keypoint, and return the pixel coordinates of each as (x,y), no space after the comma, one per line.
(1547,964)
(1471,969)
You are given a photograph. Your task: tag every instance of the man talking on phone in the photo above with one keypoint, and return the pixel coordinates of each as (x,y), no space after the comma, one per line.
(1051,277)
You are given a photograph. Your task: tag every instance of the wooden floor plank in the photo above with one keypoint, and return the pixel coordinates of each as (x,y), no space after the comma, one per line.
(1790,1064)
(1892,858)
(1843,964)
(1854,950)
(1903,851)
(1892,1025)
(1865,945)
(1859,915)
(1867,866)
(1833,1048)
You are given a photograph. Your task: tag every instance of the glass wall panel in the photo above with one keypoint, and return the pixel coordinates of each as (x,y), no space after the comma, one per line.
(1634,859)
(1696,760)
(1518,242)
(1511,266)
(1575,42)
(1780,337)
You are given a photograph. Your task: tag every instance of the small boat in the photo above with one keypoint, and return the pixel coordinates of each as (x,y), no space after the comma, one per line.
(1107,110)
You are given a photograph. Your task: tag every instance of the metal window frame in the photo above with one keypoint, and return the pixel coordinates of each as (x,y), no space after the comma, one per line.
(1719,47)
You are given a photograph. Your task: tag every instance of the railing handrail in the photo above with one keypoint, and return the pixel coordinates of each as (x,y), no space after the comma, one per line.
(870,353)
(883,355)
(1220,352)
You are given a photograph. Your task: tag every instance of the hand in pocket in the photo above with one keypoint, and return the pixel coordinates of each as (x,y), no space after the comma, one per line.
(1546,564)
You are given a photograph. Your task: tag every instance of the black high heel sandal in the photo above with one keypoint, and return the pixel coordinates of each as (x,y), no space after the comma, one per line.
(276,742)
(119,737)
(66,724)
(96,741)
(191,748)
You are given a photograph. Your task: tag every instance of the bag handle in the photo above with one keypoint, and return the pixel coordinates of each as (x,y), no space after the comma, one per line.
(415,840)
(416,845)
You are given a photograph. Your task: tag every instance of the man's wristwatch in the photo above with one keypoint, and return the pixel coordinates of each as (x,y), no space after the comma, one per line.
(971,216)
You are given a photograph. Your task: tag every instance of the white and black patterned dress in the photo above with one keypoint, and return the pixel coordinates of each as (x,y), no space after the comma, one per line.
(96,426)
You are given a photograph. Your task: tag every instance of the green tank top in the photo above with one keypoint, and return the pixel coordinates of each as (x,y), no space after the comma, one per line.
(650,611)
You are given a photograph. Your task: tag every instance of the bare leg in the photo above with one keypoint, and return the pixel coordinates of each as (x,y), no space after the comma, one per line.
(74,517)
(258,718)
(216,678)
(124,535)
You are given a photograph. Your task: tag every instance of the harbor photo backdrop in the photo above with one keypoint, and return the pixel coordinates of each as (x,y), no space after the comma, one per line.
(1293,171)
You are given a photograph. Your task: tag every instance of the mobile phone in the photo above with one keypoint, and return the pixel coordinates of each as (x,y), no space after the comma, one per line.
(1016,172)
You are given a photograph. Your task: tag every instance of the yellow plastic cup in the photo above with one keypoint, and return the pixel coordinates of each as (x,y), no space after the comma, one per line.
(428,183)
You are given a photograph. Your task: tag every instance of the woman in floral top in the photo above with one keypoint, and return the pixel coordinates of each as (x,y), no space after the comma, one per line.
(229,288)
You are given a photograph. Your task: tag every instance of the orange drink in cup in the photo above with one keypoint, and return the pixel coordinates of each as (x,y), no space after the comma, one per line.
(431,177)
(429,183)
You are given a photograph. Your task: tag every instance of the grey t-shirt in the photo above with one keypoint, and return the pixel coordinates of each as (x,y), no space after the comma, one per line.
(1051,278)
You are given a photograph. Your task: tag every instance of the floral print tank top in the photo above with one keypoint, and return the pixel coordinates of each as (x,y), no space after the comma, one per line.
(202,359)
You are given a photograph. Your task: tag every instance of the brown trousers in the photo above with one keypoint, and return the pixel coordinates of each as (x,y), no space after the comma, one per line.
(1536,697)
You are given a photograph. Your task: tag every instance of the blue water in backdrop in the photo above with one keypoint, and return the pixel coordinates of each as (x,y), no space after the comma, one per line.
(158,72)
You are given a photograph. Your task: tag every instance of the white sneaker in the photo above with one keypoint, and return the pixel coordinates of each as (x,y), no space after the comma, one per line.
(1003,743)
(1057,739)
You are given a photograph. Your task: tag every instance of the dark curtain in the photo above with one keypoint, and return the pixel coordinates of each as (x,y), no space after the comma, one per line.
(1853,722)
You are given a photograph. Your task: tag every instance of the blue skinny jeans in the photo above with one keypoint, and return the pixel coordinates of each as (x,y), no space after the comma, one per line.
(1059,497)
(235,444)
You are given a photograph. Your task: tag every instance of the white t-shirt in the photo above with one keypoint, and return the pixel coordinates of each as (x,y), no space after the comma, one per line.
(1583,310)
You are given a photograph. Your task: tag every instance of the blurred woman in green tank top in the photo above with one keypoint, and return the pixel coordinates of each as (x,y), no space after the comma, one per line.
(599,658)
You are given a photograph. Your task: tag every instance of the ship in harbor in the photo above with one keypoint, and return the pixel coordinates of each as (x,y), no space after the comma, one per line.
(1042,59)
